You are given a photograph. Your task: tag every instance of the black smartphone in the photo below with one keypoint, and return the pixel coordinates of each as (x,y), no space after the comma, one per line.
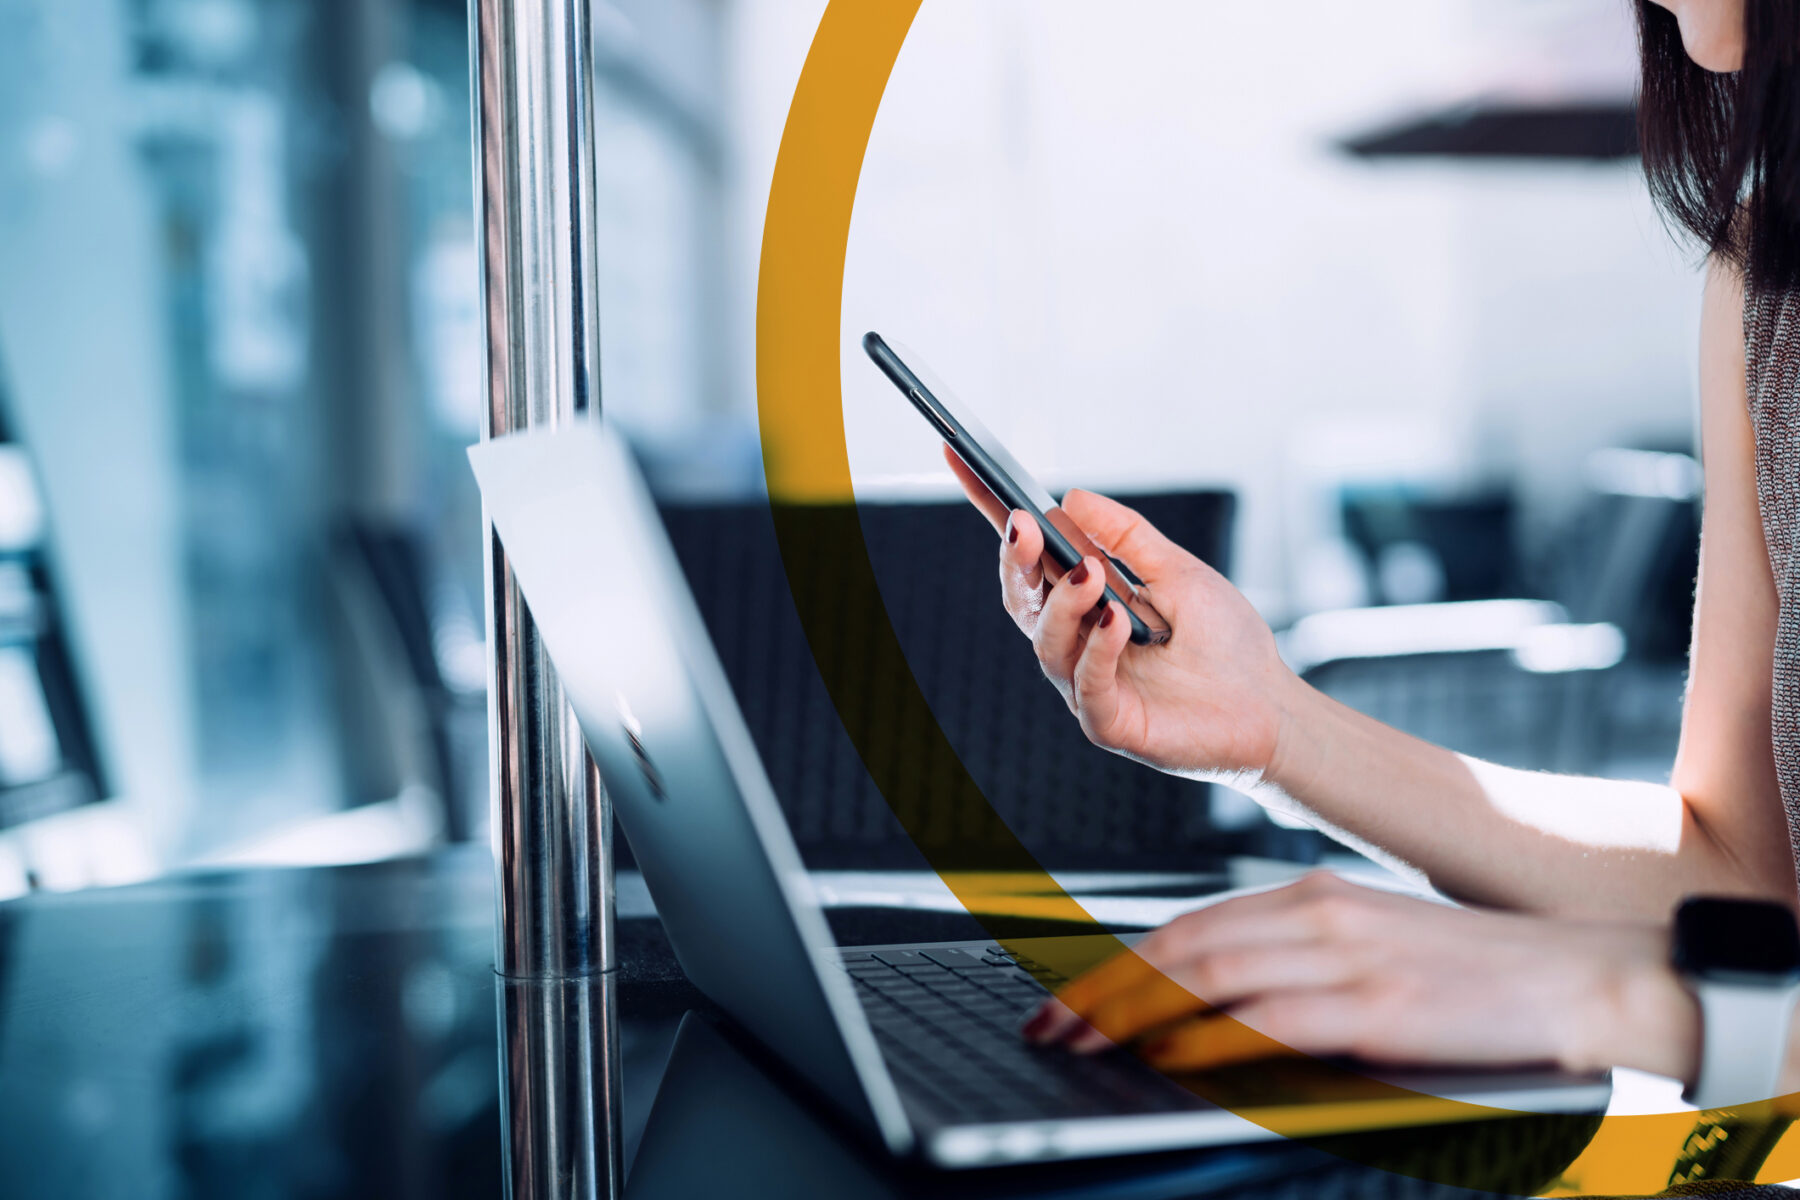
(1064,542)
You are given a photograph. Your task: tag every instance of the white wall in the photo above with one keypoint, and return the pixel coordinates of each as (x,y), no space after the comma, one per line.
(1127,242)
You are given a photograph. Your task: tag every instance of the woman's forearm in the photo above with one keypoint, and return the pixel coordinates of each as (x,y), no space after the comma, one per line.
(1494,835)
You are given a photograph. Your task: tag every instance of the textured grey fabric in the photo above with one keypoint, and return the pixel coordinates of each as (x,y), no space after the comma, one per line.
(1772,371)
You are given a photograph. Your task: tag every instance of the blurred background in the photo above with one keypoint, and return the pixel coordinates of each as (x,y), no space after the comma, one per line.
(1369,299)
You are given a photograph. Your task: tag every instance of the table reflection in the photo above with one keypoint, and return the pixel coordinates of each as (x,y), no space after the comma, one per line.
(284,1033)
(337,1032)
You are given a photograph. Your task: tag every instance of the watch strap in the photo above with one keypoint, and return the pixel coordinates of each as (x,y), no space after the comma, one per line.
(1723,1146)
(1743,1042)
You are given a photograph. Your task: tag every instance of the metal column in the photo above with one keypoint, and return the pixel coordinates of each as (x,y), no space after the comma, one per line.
(532,81)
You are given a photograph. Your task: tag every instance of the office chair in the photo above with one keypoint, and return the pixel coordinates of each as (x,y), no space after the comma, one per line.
(1074,805)
(1532,683)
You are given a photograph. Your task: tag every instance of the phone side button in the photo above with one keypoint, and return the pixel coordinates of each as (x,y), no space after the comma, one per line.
(931,414)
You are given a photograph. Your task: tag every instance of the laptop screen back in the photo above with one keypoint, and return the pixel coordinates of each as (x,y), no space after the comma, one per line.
(615,614)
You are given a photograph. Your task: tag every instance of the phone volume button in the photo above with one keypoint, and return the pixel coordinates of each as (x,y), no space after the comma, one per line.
(931,414)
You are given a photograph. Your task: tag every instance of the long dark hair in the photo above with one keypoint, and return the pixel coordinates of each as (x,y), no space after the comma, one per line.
(1722,151)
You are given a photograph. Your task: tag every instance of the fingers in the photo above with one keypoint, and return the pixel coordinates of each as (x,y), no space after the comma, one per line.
(1022,569)
(1322,967)
(1154,959)
(1021,547)
(1062,626)
(1205,955)
(1212,982)
(977,491)
(1061,1015)
(1262,916)
(1126,535)
(1096,683)
(1319,1021)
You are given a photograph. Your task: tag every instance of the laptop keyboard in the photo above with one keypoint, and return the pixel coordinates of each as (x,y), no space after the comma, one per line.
(947,1020)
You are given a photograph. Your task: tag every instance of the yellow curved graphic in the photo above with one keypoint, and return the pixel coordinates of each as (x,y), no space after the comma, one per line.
(806,463)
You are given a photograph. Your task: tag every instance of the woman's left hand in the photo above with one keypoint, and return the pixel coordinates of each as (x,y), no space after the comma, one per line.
(1326,967)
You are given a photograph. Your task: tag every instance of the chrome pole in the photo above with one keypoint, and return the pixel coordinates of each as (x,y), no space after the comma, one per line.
(532,83)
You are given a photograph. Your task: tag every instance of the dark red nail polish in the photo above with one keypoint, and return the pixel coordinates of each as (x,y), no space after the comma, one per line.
(1079,575)
(1106,616)
(1035,1024)
(1012,531)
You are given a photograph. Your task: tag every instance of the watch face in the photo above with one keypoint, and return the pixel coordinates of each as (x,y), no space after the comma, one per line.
(1736,937)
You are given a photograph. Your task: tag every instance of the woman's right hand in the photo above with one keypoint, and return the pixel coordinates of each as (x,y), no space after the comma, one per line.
(1212,701)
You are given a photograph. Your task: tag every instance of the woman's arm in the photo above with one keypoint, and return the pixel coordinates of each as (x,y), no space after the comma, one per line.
(1324,966)
(1595,847)
(1217,703)
(1725,768)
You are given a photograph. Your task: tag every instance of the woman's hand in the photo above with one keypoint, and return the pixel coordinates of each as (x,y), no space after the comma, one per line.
(1211,701)
(1326,967)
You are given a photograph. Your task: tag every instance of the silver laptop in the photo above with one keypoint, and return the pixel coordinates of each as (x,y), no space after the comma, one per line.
(918,1044)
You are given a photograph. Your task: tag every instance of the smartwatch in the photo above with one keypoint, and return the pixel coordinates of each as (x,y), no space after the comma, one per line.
(1741,959)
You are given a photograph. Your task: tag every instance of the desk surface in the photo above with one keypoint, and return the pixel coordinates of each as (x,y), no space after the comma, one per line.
(332,1032)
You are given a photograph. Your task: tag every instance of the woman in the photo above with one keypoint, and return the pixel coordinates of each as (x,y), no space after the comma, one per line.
(1582,980)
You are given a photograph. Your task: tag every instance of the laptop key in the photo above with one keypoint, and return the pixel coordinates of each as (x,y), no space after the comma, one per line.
(903,958)
(931,1011)
(960,960)
(938,1090)
(952,1034)
(1007,1019)
(994,976)
(972,998)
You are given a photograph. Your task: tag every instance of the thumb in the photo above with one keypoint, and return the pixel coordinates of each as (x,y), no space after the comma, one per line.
(1124,533)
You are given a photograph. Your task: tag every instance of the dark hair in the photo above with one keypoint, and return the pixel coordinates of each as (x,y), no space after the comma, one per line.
(1722,151)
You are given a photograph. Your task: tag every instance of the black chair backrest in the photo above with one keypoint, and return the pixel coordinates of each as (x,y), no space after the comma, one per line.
(1074,805)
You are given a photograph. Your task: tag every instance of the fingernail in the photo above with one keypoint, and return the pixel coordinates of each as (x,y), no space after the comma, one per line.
(1049,1023)
(1089,1041)
(1079,575)
(1106,616)
(1012,528)
(1053,1021)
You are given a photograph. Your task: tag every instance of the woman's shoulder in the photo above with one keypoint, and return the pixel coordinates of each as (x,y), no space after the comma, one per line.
(1725,283)
(1756,326)
(1725,308)
(1751,320)
(1765,290)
